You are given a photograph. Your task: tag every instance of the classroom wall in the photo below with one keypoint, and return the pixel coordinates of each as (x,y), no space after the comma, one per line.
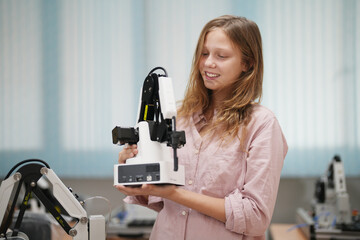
(70,71)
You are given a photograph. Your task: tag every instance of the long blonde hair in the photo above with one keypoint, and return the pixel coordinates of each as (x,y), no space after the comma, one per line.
(235,112)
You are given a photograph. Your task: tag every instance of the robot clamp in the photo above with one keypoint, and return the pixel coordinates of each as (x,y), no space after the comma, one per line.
(28,175)
(154,133)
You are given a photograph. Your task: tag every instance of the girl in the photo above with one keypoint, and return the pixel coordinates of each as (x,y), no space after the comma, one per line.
(234,149)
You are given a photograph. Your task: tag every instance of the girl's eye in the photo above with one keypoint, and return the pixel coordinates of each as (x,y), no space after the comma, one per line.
(204,54)
(222,56)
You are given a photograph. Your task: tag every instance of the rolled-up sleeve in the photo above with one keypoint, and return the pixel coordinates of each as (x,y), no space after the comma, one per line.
(154,203)
(249,208)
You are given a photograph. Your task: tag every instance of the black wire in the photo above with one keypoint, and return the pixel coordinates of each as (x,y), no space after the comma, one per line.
(153,70)
(26,161)
(176,161)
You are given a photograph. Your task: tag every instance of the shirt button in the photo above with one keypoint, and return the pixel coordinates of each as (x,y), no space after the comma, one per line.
(196,151)
(190,182)
(183,213)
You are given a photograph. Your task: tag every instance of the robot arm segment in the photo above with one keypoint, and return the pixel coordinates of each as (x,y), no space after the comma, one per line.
(29,175)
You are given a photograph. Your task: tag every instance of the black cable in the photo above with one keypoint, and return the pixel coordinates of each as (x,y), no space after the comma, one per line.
(176,161)
(153,70)
(26,161)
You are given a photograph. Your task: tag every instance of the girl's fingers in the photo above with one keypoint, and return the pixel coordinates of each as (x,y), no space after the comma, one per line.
(129,151)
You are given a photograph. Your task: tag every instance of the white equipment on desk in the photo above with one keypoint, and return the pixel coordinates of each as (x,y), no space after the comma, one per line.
(331,216)
(28,175)
(154,133)
(332,200)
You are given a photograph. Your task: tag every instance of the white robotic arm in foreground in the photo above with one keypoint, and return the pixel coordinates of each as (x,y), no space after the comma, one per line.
(85,228)
(154,133)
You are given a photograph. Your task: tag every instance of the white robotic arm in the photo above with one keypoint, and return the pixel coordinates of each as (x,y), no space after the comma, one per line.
(85,228)
(331,197)
(154,133)
(331,216)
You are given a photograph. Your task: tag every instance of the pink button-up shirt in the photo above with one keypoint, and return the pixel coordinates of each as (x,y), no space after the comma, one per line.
(248,182)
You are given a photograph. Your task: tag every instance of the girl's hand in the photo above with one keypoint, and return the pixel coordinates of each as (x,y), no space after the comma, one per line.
(129,151)
(163,191)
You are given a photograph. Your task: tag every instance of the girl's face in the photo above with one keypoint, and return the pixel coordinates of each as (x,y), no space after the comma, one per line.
(220,63)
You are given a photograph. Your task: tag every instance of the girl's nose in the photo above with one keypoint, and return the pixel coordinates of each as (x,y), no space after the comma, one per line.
(209,62)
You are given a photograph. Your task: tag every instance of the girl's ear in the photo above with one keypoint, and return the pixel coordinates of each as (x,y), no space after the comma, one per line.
(245,66)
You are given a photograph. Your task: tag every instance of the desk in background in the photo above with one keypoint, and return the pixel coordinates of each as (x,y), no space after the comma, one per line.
(122,238)
(67,237)
(280,231)
(136,230)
